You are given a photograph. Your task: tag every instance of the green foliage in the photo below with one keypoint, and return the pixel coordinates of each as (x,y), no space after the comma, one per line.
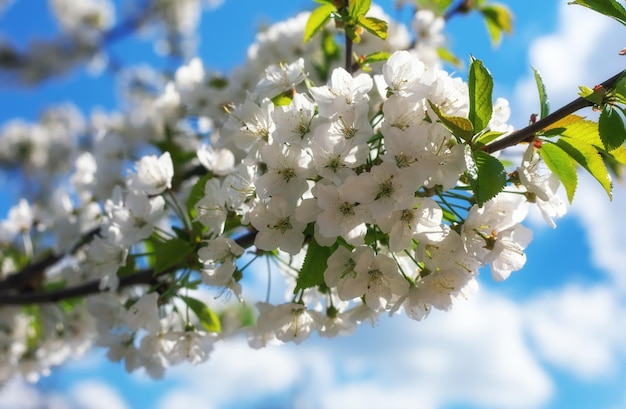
(171,253)
(358,8)
(438,6)
(196,194)
(459,126)
(447,56)
(376,57)
(498,19)
(480,84)
(315,263)
(611,128)
(487,176)
(609,8)
(562,165)
(588,157)
(208,319)
(544,102)
(581,141)
(374,26)
(317,20)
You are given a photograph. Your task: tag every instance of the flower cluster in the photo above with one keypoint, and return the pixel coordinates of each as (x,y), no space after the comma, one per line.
(357,191)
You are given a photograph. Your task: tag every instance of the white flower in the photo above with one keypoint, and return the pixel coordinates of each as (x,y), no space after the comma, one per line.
(153,175)
(438,290)
(280,78)
(219,257)
(277,226)
(492,233)
(383,189)
(19,220)
(250,125)
(134,220)
(287,171)
(290,322)
(542,186)
(342,91)
(295,121)
(219,161)
(189,345)
(377,279)
(103,260)
(341,215)
(402,72)
(211,209)
(420,220)
(144,313)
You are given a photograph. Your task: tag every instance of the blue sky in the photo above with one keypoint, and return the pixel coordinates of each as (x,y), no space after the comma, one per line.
(551,336)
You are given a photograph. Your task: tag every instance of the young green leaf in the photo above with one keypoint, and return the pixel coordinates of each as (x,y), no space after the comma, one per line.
(486,173)
(447,56)
(459,126)
(562,165)
(376,57)
(480,84)
(208,319)
(544,102)
(196,194)
(359,8)
(170,253)
(317,20)
(609,8)
(498,19)
(611,128)
(374,25)
(589,158)
(312,271)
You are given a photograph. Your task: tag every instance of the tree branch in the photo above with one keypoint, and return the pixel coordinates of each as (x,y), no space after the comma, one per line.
(146,276)
(528,132)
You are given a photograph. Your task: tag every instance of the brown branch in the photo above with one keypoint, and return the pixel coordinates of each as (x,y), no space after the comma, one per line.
(146,276)
(528,132)
(31,272)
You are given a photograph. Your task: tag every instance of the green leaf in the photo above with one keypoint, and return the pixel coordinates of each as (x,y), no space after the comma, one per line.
(315,263)
(374,25)
(439,6)
(283,99)
(611,128)
(317,20)
(447,56)
(544,102)
(196,194)
(480,84)
(486,173)
(170,253)
(376,57)
(485,138)
(562,165)
(609,8)
(358,8)
(498,19)
(459,126)
(595,96)
(589,158)
(208,319)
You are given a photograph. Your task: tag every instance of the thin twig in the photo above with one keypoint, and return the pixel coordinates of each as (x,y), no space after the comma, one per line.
(528,132)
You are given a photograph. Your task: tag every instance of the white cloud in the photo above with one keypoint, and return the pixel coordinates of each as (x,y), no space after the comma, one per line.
(604,223)
(475,354)
(579,329)
(95,394)
(582,51)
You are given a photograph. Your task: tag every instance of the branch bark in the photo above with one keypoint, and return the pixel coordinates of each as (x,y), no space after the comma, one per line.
(146,276)
(528,132)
